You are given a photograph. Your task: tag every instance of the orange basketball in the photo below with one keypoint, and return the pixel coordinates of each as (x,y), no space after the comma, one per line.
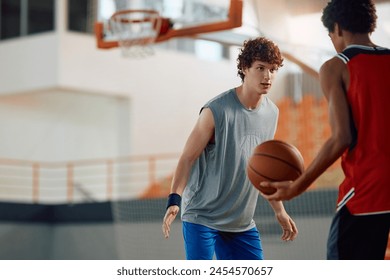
(274,160)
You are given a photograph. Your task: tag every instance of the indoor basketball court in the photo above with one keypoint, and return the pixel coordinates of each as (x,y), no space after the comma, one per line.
(97,99)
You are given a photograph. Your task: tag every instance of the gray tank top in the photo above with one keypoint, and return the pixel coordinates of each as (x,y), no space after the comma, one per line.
(218,193)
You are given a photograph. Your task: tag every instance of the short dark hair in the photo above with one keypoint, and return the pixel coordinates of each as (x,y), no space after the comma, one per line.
(261,49)
(356,16)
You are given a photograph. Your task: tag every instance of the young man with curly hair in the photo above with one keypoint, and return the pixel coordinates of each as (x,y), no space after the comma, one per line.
(356,84)
(218,200)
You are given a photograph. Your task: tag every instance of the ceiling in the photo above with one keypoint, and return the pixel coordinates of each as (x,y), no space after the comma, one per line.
(296,26)
(299,7)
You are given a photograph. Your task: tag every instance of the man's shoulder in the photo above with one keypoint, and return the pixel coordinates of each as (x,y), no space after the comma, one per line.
(333,64)
(222,97)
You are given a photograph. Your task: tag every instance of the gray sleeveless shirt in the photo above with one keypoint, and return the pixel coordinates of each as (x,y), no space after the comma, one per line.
(218,193)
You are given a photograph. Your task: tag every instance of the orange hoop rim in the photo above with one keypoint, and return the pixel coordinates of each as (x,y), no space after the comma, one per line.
(123,12)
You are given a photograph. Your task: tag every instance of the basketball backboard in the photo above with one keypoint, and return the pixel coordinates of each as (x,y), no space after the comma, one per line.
(180,18)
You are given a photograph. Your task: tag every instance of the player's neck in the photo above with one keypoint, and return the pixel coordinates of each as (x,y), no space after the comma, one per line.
(248,100)
(361,39)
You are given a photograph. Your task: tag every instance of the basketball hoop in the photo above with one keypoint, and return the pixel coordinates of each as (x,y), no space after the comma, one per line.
(136,31)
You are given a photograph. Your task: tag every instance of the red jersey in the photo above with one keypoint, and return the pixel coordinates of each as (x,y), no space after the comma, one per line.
(366,164)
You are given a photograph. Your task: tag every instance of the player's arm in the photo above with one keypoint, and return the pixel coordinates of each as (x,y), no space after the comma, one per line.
(290,230)
(196,143)
(333,82)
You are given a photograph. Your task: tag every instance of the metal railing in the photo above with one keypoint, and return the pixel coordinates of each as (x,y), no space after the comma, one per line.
(83,180)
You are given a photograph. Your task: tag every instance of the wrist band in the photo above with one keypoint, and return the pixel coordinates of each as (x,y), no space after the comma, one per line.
(173,199)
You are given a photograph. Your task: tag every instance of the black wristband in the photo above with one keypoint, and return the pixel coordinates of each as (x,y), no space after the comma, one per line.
(173,199)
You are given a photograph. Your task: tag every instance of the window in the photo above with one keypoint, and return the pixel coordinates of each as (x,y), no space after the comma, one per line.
(24,17)
(81,15)
(40,16)
(10,19)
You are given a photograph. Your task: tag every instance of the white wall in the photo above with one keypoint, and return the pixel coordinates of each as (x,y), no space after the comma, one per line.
(28,63)
(58,125)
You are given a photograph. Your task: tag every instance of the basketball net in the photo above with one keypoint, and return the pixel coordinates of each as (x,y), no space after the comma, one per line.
(136,31)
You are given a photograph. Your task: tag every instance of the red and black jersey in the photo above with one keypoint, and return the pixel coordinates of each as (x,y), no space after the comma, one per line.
(366,164)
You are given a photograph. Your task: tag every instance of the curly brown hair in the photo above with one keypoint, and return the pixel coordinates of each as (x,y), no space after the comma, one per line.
(261,49)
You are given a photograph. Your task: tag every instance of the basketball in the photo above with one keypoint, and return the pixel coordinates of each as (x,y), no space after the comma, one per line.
(274,160)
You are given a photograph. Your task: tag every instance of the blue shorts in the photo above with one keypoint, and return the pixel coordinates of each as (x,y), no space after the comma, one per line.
(202,242)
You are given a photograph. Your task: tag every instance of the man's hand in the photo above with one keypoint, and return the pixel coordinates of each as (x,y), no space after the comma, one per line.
(289,228)
(284,190)
(169,217)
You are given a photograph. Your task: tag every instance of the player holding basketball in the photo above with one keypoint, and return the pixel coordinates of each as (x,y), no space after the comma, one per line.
(218,200)
(356,84)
